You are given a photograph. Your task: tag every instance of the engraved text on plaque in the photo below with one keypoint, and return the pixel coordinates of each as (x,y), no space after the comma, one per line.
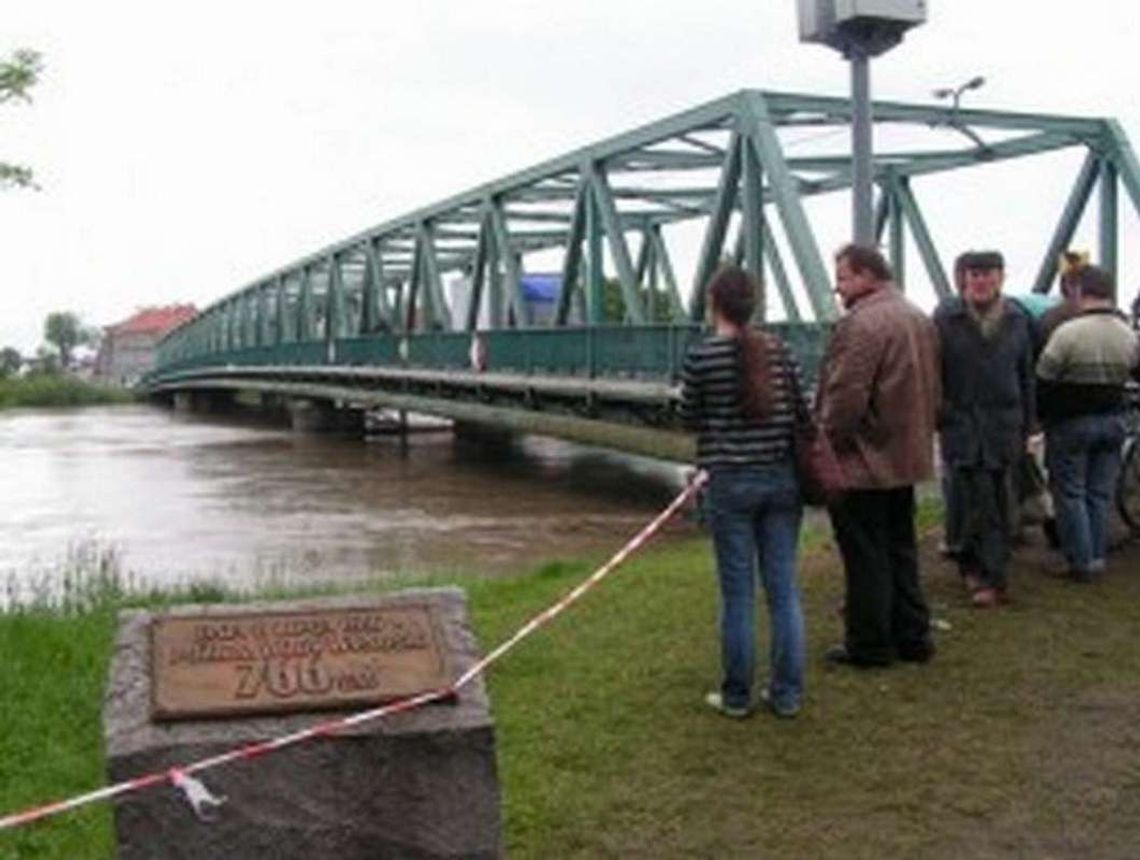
(222,665)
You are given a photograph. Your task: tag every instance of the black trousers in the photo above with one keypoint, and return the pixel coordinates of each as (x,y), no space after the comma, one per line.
(886,614)
(978,516)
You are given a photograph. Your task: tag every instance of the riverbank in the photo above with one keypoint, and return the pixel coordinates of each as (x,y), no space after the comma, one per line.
(1021,739)
(45,390)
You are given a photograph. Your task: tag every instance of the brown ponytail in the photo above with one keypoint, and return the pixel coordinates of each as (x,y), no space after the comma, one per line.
(732,292)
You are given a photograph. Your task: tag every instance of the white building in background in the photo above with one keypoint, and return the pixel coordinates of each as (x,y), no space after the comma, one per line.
(127,349)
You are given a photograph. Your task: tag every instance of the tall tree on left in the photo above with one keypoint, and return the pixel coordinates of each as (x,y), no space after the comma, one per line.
(65,331)
(18,74)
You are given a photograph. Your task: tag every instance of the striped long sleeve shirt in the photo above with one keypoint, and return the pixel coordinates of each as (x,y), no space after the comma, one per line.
(710,405)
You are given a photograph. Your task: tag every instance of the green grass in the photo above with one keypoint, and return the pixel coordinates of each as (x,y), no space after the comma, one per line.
(1021,739)
(53,673)
(42,390)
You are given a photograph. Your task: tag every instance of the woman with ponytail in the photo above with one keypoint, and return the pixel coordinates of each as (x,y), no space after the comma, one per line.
(740,394)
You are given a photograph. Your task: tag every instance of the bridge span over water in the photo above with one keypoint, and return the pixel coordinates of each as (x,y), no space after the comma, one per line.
(374,321)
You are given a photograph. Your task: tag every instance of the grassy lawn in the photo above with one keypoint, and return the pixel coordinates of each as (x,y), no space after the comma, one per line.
(1021,739)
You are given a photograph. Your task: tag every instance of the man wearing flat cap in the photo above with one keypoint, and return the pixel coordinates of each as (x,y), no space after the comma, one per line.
(988,408)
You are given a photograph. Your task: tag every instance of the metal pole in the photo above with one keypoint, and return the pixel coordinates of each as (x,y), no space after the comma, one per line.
(595,275)
(1108,218)
(863,220)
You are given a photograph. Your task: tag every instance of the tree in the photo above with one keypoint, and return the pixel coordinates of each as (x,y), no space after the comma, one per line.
(45,363)
(10,361)
(613,304)
(65,331)
(18,74)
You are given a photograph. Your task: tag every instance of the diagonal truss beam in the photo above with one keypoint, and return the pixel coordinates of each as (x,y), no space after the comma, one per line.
(378,313)
(713,243)
(1067,225)
(619,250)
(909,209)
(504,254)
(436,302)
(572,260)
(1124,158)
(479,271)
(762,136)
(665,264)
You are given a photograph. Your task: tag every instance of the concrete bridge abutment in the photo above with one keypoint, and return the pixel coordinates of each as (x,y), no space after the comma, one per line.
(311,415)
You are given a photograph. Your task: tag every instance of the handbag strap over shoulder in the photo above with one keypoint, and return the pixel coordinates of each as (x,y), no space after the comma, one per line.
(799,402)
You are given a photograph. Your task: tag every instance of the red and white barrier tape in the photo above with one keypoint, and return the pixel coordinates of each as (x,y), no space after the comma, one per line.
(199,797)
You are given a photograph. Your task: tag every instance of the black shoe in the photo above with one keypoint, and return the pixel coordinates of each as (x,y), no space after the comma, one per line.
(1084,577)
(923,653)
(838,655)
(1052,537)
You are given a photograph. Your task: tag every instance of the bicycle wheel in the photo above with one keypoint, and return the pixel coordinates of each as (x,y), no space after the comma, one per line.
(1128,485)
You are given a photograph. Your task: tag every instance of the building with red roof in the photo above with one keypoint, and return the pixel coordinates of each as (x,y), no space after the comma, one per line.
(127,349)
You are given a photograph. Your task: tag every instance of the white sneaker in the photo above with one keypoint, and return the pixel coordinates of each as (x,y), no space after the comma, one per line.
(787,713)
(716,702)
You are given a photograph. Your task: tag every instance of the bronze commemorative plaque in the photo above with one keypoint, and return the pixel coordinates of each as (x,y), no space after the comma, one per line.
(228,665)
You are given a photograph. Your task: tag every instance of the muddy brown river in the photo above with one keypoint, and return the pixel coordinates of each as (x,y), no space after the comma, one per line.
(179,498)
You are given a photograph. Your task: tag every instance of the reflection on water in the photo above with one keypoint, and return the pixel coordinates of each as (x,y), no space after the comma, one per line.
(182,497)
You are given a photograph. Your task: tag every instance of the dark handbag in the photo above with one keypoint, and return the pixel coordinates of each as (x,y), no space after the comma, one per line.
(817,468)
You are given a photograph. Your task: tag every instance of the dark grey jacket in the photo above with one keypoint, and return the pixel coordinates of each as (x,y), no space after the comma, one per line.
(988,398)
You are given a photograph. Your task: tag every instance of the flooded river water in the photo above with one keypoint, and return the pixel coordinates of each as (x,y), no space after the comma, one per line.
(182,498)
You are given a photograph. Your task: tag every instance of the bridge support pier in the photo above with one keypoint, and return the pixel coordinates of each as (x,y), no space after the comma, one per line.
(489,433)
(493,442)
(323,416)
(183,401)
(213,402)
(274,408)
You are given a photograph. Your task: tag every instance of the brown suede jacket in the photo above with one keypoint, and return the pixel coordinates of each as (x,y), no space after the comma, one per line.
(880,391)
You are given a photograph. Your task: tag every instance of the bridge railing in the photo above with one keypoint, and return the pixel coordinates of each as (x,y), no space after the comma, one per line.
(649,352)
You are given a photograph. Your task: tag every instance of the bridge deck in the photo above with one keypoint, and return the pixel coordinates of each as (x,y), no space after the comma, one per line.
(616,386)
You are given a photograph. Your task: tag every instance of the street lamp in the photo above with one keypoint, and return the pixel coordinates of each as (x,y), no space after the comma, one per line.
(952,119)
(955,93)
(860,29)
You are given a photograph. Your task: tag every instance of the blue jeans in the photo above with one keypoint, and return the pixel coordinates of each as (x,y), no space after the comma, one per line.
(1083,458)
(755,514)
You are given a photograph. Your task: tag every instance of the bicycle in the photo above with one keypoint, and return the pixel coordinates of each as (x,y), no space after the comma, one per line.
(1128,481)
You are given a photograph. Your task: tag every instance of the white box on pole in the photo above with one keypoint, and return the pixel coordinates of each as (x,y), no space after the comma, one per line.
(823,20)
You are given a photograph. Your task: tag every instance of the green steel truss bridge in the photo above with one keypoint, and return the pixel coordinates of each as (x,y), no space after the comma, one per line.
(368,322)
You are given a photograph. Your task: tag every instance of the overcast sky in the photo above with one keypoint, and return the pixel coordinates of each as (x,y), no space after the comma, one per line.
(185,149)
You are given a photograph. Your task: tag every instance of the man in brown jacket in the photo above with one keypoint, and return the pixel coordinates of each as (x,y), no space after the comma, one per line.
(879,394)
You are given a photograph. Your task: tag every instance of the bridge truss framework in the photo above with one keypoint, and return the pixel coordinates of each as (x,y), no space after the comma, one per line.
(377,298)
